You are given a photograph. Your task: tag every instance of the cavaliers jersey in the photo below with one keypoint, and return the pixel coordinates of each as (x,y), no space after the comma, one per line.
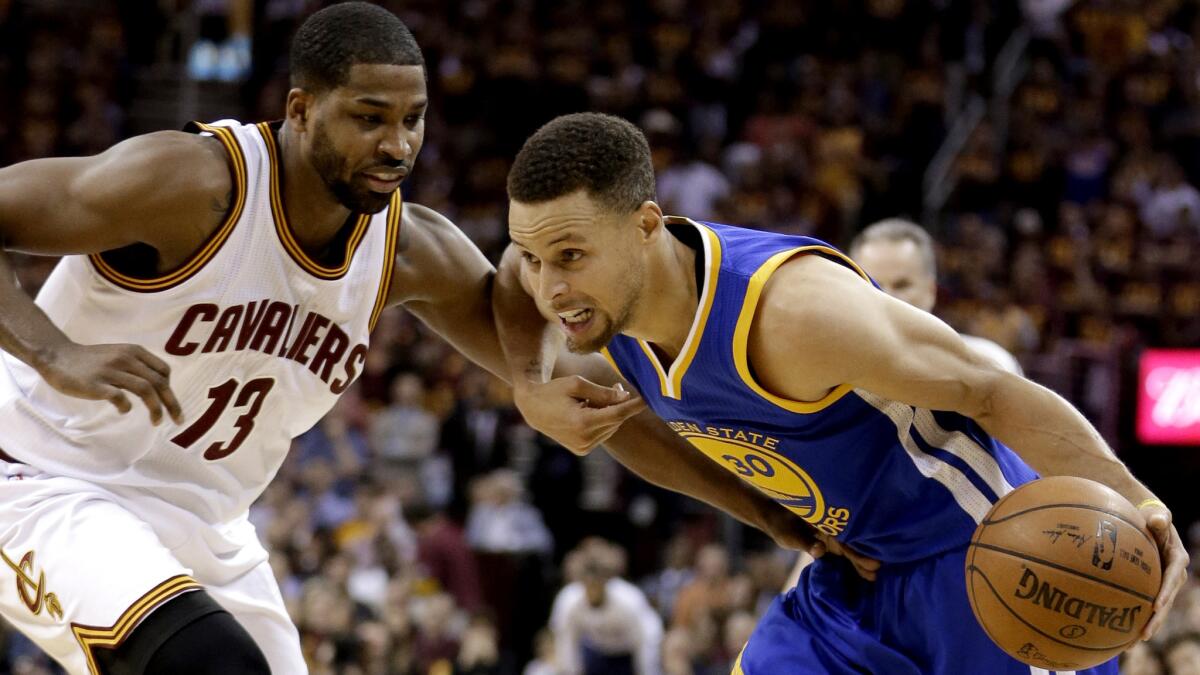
(261,339)
(895,482)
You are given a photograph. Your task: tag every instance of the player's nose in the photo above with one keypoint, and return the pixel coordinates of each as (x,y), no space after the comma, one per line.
(396,145)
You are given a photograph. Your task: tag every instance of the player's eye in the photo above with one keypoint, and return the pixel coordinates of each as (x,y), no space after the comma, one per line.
(529,257)
(572,255)
(371,120)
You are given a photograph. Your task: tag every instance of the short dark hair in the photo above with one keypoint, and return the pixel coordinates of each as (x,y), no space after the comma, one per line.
(602,154)
(339,36)
(897,230)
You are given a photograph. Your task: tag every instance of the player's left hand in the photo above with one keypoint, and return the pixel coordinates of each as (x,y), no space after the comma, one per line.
(1174,561)
(577,413)
(790,532)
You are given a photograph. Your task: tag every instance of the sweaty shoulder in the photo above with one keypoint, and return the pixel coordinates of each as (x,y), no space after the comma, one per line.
(174,186)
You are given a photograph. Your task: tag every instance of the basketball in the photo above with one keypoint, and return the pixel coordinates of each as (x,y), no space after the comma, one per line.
(1062,573)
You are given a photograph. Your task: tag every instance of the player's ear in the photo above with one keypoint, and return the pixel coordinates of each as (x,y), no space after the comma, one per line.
(650,219)
(299,107)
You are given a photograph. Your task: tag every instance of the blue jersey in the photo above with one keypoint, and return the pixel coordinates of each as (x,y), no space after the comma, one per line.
(895,482)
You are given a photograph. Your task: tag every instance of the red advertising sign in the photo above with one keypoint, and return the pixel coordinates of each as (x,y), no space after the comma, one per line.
(1169,397)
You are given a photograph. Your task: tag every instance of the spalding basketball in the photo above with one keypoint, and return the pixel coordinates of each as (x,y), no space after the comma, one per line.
(1062,573)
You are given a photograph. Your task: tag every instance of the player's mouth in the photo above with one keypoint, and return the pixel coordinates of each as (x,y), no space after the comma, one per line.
(385,181)
(576,321)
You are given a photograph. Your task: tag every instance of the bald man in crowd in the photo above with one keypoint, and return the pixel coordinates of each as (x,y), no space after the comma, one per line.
(900,257)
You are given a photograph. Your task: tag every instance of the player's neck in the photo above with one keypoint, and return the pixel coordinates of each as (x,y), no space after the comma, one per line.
(670,297)
(313,213)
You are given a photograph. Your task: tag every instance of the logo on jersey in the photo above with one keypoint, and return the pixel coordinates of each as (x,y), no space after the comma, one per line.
(267,326)
(755,458)
(32,592)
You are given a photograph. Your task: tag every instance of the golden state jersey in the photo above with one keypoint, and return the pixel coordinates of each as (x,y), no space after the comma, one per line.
(897,483)
(261,339)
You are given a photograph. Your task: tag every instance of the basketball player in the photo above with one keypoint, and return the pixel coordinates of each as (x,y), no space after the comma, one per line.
(899,256)
(228,279)
(779,360)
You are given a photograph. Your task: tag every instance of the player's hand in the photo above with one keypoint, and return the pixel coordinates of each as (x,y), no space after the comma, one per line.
(790,532)
(577,413)
(1174,561)
(107,372)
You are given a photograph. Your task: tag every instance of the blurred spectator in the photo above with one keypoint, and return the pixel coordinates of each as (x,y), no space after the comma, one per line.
(501,521)
(544,662)
(603,624)
(710,591)
(1182,654)
(1142,659)
(405,433)
(479,653)
(899,255)
(444,555)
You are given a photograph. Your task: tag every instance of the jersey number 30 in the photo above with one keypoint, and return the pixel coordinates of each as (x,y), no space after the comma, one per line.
(251,397)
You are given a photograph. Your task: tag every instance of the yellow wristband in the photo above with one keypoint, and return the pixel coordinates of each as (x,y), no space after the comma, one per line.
(1151,502)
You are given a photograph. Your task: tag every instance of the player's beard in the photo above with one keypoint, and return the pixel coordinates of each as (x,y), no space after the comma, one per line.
(331,166)
(611,326)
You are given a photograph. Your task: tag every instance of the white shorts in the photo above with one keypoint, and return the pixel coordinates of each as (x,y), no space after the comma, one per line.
(82,566)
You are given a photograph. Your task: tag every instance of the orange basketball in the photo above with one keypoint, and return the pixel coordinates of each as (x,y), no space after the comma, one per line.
(1062,573)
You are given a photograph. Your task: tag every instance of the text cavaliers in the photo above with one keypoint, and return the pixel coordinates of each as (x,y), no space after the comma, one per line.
(266,326)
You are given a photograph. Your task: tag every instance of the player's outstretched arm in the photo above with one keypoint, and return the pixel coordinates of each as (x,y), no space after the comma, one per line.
(819,326)
(163,190)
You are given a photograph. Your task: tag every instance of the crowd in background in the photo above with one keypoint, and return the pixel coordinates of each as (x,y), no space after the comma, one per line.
(421,527)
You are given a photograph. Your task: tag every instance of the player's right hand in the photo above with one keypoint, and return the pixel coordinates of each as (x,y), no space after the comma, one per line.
(577,413)
(107,372)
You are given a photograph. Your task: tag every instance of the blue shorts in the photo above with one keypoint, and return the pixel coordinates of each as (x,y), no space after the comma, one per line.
(913,620)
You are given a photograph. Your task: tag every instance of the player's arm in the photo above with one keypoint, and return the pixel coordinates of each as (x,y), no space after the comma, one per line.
(162,190)
(444,280)
(818,325)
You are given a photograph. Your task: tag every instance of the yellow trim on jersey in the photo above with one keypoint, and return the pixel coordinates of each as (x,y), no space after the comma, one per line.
(285,230)
(389,257)
(671,380)
(611,361)
(737,664)
(93,637)
(741,333)
(210,247)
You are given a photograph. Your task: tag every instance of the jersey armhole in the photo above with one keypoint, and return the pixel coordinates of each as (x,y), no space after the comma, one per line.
(741,333)
(200,258)
(394,221)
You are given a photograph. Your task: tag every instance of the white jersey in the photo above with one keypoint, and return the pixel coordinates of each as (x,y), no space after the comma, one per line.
(260,338)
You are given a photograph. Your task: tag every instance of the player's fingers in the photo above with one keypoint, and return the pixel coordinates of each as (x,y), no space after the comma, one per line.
(614,414)
(115,396)
(598,396)
(143,389)
(147,357)
(1175,566)
(863,561)
(162,386)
